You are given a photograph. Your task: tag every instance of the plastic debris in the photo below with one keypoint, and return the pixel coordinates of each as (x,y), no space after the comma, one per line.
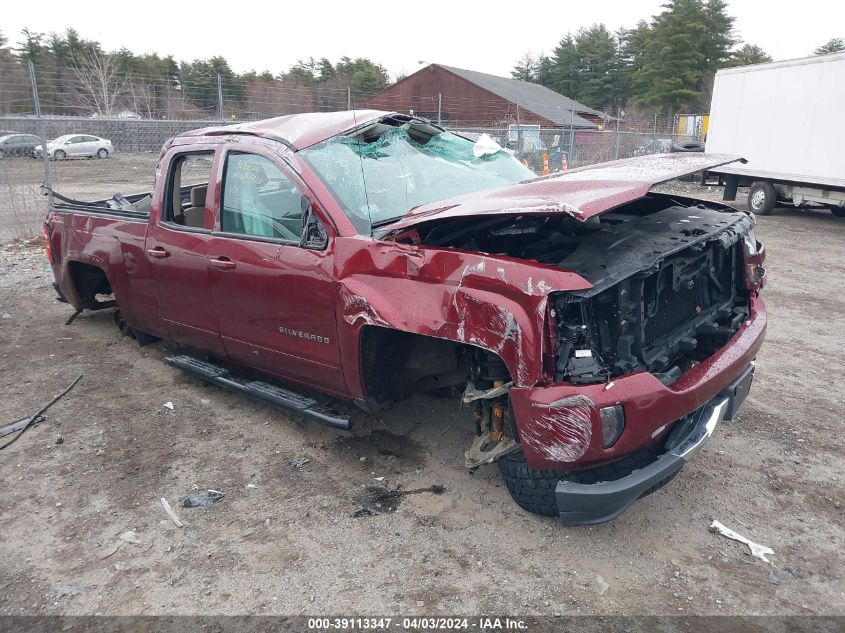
(757,550)
(203,500)
(299,462)
(130,537)
(603,585)
(171,513)
(71,590)
(168,405)
(485,146)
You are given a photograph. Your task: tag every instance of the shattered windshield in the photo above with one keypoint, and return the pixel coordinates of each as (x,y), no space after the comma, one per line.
(402,172)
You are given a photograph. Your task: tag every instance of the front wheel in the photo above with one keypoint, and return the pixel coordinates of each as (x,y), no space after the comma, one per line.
(102,153)
(762,197)
(59,154)
(534,490)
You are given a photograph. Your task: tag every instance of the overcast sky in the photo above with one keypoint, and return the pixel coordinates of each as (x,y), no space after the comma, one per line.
(486,36)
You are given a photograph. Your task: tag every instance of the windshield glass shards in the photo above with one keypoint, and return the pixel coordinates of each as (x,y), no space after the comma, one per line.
(380,179)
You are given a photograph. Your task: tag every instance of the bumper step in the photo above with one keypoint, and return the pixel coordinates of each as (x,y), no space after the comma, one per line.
(278,396)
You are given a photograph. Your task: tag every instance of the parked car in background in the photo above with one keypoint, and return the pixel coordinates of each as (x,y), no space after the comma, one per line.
(18,145)
(77,145)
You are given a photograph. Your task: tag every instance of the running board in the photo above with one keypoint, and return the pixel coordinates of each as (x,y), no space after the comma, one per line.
(279,396)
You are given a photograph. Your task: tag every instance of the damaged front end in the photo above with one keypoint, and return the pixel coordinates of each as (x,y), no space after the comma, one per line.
(687,296)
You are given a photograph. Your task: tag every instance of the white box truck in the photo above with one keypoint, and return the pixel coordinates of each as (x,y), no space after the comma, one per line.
(788,120)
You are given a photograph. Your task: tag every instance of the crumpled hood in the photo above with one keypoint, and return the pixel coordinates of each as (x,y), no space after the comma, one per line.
(581,193)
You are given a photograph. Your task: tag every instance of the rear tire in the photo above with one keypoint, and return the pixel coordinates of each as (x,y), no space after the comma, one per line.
(762,197)
(534,490)
(839,212)
(102,153)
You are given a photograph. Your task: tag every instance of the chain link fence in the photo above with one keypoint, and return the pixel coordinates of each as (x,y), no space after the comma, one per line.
(137,116)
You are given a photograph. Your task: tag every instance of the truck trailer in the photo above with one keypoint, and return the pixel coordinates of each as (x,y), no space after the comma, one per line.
(786,119)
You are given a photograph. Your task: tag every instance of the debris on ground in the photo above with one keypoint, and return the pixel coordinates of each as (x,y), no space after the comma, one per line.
(603,585)
(17,426)
(757,550)
(130,537)
(71,590)
(203,500)
(38,414)
(299,462)
(171,513)
(168,405)
(773,578)
(380,499)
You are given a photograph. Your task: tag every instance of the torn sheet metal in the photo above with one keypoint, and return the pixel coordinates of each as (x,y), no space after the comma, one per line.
(471,393)
(485,451)
(757,550)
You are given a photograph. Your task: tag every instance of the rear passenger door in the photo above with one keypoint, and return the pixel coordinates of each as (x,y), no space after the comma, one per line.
(273,291)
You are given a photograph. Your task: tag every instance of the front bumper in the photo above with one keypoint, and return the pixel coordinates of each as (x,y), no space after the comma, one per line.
(587,504)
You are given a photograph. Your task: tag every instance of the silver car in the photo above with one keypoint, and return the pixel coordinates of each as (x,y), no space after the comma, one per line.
(78,145)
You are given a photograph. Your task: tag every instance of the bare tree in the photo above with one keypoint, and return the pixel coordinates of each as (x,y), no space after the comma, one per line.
(99,86)
(141,97)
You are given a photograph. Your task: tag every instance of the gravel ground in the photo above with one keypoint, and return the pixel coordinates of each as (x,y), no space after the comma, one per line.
(283,540)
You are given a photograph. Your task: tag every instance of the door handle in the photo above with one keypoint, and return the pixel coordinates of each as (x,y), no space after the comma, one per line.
(158,251)
(224,263)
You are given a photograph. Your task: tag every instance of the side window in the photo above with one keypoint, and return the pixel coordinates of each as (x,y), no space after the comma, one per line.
(187,189)
(259,200)
(75,139)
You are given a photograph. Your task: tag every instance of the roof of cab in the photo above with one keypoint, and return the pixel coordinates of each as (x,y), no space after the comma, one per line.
(298,130)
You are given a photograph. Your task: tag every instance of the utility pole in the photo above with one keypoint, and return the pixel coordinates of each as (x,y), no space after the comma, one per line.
(41,131)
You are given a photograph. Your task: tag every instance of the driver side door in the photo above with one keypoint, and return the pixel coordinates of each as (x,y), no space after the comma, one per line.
(273,296)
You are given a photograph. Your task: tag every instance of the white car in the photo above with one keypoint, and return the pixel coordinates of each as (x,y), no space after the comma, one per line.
(77,145)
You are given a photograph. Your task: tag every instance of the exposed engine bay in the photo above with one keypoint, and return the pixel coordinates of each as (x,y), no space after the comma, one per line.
(667,274)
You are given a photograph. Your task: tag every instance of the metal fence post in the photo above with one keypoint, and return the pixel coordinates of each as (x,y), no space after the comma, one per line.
(572,137)
(439,106)
(41,132)
(616,150)
(220,110)
(348,97)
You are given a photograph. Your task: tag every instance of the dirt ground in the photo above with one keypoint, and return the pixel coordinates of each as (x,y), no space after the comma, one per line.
(283,540)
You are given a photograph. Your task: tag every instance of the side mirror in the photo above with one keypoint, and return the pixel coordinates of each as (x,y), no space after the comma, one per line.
(314,234)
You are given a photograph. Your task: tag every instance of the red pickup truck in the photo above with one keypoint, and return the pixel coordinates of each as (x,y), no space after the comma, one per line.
(598,331)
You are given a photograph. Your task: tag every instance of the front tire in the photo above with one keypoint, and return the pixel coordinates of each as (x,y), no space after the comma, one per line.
(102,153)
(59,154)
(534,490)
(762,197)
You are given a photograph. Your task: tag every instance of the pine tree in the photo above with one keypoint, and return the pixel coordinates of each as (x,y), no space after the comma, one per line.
(526,68)
(748,54)
(833,45)
(596,50)
(675,61)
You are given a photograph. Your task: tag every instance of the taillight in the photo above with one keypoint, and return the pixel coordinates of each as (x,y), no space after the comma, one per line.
(48,247)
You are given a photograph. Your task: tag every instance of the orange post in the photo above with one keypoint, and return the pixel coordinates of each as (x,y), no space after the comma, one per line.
(545,163)
(564,163)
